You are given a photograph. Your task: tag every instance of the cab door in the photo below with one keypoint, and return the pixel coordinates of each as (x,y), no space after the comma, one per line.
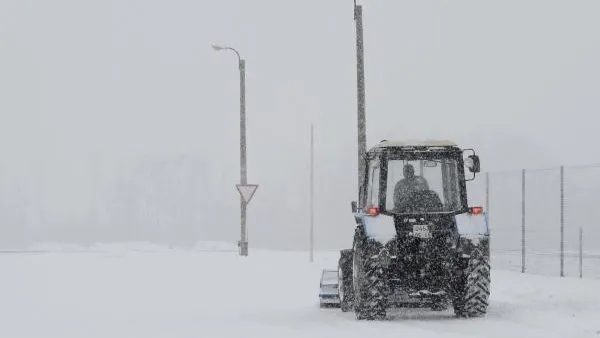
(371,202)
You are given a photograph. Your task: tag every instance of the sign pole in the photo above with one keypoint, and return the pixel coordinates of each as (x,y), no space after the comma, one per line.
(246,193)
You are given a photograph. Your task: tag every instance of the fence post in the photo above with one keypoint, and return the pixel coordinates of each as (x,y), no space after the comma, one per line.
(523,222)
(562,221)
(487,198)
(580,252)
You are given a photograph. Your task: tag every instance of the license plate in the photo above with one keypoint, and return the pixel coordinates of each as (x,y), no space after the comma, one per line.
(421,231)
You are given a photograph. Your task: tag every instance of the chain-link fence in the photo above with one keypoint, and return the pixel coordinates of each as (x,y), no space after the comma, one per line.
(543,221)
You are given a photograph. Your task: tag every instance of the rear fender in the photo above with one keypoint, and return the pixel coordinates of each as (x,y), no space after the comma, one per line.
(373,233)
(472,225)
(379,228)
(473,234)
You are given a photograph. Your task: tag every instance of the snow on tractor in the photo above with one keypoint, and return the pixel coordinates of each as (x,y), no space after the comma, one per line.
(417,242)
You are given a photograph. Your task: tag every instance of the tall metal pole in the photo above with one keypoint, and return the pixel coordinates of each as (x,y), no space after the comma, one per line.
(243,169)
(360,87)
(562,221)
(580,252)
(312,193)
(523,222)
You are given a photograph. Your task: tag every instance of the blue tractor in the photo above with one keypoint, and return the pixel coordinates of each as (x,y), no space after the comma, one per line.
(417,242)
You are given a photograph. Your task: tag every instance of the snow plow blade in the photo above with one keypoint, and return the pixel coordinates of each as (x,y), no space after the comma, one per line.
(328,289)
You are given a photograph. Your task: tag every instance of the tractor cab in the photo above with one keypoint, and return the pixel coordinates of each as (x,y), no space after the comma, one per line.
(416,178)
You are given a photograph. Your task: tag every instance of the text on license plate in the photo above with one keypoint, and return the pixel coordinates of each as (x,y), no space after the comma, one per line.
(421,231)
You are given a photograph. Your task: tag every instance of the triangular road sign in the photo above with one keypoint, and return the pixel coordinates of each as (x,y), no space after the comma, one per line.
(246,191)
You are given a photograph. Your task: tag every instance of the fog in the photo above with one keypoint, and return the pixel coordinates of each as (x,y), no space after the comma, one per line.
(118,122)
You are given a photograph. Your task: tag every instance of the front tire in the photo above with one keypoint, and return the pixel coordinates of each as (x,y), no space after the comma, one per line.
(369,284)
(472,291)
(345,290)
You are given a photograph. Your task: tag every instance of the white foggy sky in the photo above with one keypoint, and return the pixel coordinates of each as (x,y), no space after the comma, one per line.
(84,81)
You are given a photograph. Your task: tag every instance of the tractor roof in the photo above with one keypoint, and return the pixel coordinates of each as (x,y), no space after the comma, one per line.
(415,143)
(412,146)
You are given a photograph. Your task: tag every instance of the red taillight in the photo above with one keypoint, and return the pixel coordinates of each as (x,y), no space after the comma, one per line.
(476,210)
(372,211)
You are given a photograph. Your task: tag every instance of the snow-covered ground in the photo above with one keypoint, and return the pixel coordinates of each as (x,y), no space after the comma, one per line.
(148,291)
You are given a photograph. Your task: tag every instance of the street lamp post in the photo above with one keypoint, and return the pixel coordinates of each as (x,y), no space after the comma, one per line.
(243,244)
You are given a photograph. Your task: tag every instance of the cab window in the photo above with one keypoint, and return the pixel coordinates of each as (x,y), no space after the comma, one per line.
(373,185)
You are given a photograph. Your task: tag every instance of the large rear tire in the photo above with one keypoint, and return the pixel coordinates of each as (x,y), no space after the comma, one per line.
(345,290)
(472,290)
(370,287)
